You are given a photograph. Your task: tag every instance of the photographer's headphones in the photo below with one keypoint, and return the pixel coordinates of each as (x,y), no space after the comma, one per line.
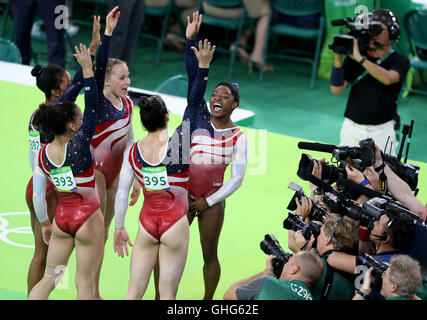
(388,18)
(384,235)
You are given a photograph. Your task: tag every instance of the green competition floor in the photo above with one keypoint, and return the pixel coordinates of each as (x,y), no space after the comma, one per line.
(256,209)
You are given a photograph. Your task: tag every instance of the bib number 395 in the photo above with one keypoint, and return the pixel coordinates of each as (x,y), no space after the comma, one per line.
(155,179)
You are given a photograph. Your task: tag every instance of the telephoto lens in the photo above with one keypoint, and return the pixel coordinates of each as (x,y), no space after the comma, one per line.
(294,222)
(271,246)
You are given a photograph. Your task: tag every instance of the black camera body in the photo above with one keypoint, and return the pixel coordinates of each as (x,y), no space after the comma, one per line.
(358,157)
(366,214)
(294,222)
(271,246)
(406,171)
(330,172)
(376,207)
(318,212)
(361,29)
(379,268)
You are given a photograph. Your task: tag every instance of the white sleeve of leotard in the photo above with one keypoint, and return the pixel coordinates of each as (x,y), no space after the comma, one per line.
(31,159)
(238,168)
(39,191)
(122,196)
(131,138)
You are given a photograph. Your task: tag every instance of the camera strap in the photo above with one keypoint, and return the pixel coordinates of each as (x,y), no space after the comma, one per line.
(327,285)
(329,278)
(378,62)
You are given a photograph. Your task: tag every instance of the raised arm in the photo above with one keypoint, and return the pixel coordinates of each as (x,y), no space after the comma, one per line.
(191,62)
(91,92)
(196,97)
(337,81)
(399,188)
(76,85)
(103,52)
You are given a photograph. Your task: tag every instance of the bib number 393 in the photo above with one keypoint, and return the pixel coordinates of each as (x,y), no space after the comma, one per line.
(63,179)
(34,141)
(155,179)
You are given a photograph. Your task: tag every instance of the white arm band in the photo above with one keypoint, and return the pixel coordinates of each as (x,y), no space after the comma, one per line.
(238,168)
(122,196)
(39,191)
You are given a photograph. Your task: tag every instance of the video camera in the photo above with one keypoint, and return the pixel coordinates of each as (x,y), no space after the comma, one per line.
(271,246)
(358,157)
(318,212)
(330,172)
(361,29)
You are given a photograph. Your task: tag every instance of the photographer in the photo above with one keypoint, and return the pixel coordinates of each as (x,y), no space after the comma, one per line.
(376,77)
(299,274)
(401,280)
(336,235)
(390,235)
(304,207)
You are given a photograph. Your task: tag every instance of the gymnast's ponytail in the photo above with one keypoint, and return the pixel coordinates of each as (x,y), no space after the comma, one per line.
(48,78)
(152,111)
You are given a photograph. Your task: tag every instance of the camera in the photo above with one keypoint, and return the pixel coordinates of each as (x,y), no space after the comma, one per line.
(379,268)
(406,171)
(376,207)
(358,157)
(366,214)
(329,171)
(271,246)
(361,29)
(318,212)
(294,222)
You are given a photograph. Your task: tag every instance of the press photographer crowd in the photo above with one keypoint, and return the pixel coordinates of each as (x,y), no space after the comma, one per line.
(360,234)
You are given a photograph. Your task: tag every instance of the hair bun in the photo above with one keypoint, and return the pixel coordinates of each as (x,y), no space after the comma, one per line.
(145,103)
(37,70)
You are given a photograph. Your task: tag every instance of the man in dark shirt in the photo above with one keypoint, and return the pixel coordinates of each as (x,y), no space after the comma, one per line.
(375,79)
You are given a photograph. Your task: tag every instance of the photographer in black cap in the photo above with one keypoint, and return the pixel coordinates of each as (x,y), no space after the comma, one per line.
(375,77)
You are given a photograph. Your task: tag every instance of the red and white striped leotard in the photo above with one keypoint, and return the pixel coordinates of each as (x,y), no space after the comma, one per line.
(212,150)
(163,208)
(112,135)
(74,208)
